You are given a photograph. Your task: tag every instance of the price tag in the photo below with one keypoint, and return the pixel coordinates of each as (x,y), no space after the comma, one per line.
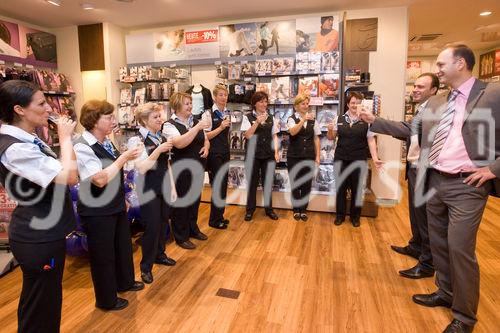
(30,66)
(16,64)
(173,65)
(217,63)
(316,101)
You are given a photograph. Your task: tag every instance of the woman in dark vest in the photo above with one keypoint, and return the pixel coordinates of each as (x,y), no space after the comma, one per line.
(31,174)
(355,143)
(101,206)
(190,145)
(153,176)
(303,154)
(218,134)
(263,127)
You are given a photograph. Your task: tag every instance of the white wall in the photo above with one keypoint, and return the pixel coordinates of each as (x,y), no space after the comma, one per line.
(388,76)
(68,61)
(114,58)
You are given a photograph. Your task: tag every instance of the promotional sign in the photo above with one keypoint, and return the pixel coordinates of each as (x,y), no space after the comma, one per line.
(169,46)
(317,34)
(238,40)
(202,44)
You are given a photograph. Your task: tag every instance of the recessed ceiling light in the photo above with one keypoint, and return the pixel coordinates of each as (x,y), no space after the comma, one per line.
(54,2)
(87,6)
(485,13)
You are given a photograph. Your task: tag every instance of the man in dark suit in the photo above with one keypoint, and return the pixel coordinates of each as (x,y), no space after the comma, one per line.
(460,163)
(426,85)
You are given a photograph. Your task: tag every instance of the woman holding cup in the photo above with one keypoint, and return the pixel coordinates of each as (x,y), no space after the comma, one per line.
(189,144)
(101,206)
(33,175)
(355,143)
(303,154)
(152,166)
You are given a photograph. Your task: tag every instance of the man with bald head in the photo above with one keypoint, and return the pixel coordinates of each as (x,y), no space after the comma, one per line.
(460,163)
(425,86)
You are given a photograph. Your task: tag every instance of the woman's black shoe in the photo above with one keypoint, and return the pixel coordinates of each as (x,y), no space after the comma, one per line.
(296,216)
(219,225)
(272,215)
(339,220)
(147,277)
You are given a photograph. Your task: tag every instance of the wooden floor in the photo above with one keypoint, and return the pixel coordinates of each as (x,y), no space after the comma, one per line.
(292,277)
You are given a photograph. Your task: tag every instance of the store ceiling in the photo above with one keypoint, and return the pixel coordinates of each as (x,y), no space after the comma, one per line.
(456,20)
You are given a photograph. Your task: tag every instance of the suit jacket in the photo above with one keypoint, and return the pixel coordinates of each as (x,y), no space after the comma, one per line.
(480,130)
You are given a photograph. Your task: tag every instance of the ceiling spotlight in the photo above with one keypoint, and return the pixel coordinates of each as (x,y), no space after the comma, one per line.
(54,2)
(485,13)
(87,6)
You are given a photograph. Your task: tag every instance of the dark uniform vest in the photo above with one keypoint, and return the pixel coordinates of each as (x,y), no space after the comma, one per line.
(117,203)
(264,134)
(352,144)
(153,179)
(19,227)
(193,149)
(219,144)
(302,144)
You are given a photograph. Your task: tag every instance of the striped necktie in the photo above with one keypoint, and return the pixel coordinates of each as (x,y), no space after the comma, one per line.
(155,138)
(443,128)
(44,148)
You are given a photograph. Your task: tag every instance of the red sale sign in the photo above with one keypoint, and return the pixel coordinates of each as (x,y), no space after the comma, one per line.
(203,36)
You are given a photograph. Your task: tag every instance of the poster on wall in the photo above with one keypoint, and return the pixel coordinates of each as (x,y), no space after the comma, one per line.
(202,44)
(9,39)
(413,70)
(169,45)
(25,45)
(238,40)
(317,34)
(276,37)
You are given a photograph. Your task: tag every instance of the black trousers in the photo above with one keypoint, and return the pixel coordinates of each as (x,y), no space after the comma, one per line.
(215,162)
(300,193)
(260,172)
(110,251)
(154,215)
(350,182)
(41,295)
(185,219)
(418,222)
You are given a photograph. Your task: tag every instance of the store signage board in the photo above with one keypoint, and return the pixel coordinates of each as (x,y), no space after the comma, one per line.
(489,64)
(241,42)
(27,46)
(202,44)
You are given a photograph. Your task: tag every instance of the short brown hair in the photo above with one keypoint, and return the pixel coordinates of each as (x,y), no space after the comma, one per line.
(177,99)
(144,110)
(93,110)
(257,97)
(352,94)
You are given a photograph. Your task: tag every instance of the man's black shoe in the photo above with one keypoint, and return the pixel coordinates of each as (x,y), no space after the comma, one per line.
(135,287)
(120,304)
(200,236)
(431,300)
(405,250)
(417,272)
(456,326)
(248,216)
(165,261)
(188,245)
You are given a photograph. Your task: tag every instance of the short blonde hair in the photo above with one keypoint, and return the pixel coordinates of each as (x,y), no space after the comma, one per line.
(177,99)
(144,110)
(300,98)
(219,87)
